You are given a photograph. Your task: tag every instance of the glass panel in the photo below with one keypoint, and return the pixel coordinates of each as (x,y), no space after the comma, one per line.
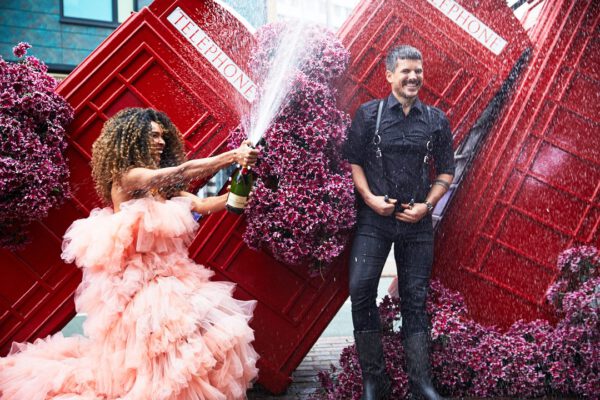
(125,8)
(216,183)
(99,10)
(143,3)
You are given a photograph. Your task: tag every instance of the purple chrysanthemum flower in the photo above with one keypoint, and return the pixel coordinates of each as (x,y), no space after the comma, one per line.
(530,359)
(33,170)
(303,207)
(21,49)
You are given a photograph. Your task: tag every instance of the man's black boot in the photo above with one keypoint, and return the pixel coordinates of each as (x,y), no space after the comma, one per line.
(376,382)
(416,351)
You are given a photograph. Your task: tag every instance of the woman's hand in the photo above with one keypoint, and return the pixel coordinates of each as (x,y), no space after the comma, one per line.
(246,155)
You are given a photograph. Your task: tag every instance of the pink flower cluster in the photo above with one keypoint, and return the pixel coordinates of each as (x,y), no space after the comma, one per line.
(33,171)
(531,359)
(303,207)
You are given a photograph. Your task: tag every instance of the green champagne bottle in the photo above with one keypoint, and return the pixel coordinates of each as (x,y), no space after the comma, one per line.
(241,185)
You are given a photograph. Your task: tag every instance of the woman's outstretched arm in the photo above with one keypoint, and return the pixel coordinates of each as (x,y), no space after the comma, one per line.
(145,178)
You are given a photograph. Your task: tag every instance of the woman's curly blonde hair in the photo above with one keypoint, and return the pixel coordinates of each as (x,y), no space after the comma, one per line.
(124,143)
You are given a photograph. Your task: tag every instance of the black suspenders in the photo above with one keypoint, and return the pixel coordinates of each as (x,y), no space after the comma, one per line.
(426,160)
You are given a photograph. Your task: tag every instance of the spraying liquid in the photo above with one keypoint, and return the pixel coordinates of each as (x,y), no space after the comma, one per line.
(288,56)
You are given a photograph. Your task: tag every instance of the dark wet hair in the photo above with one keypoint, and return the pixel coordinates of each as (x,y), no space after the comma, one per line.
(402,52)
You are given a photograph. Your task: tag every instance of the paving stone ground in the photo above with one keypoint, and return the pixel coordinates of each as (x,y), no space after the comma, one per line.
(324,353)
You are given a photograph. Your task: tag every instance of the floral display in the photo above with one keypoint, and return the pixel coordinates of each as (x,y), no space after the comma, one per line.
(530,359)
(303,207)
(33,171)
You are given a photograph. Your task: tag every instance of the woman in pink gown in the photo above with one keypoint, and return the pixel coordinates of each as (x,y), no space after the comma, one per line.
(157,328)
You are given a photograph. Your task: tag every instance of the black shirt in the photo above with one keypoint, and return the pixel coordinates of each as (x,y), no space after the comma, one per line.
(403,145)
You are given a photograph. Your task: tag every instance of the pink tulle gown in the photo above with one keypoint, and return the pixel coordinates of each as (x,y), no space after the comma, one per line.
(157,328)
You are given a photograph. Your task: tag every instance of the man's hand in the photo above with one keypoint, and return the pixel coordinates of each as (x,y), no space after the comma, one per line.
(380,206)
(412,214)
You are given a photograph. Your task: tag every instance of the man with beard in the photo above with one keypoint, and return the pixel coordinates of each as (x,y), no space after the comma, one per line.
(390,145)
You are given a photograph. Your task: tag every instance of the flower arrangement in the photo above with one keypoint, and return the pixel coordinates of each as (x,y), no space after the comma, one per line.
(303,207)
(530,359)
(33,171)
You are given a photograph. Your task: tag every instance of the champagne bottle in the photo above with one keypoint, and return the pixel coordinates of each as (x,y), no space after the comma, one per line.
(241,185)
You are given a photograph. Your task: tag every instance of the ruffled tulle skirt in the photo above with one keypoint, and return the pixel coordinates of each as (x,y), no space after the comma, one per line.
(157,327)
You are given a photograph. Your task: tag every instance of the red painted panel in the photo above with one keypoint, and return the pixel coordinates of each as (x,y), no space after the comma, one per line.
(534,188)
(575,134)
(589,64)
(528,278)
(582,94)
(541,243)
(565,170)
(589,231)
(554,207)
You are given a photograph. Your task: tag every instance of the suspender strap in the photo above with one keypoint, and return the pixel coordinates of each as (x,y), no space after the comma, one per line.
(426,160)
(377,136)
(376,143)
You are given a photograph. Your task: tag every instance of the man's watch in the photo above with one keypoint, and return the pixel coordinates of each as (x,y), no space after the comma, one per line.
(429,207)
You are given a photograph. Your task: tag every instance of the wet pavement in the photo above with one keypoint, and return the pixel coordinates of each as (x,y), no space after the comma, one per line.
(325,352)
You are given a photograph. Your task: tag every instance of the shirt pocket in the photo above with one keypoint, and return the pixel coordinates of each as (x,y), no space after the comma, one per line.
(410,143)
(417,138)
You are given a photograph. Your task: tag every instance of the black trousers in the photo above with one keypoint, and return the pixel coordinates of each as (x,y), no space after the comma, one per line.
(413,251)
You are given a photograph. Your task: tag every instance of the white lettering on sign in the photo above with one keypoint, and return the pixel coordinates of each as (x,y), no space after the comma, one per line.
(213,53)
(470,24)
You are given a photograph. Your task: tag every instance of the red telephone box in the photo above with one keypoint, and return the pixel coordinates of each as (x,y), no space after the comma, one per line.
(187,58)
(534,189)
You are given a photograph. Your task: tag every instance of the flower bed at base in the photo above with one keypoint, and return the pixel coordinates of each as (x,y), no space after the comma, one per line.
(303,207)
(33,171)
(530,359)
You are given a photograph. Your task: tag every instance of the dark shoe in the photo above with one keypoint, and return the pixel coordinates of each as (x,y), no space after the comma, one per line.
(376,382)
(416,351)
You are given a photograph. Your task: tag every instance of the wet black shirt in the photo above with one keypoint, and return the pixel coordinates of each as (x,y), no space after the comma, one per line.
(403,144)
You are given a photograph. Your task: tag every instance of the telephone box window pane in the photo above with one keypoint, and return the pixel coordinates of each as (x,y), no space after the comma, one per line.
(99,10)
(124,10)
(143,3)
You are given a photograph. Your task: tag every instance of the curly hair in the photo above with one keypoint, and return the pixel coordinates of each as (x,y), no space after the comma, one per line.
(124,143)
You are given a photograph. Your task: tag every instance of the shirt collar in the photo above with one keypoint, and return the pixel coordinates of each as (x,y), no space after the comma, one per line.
(393,103)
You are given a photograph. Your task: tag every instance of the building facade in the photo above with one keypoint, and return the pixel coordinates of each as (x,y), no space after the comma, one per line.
(64,32)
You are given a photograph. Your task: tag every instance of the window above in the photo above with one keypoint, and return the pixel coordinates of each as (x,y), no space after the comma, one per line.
(104,13)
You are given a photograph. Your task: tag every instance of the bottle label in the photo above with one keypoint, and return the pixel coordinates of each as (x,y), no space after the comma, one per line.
(236,201)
